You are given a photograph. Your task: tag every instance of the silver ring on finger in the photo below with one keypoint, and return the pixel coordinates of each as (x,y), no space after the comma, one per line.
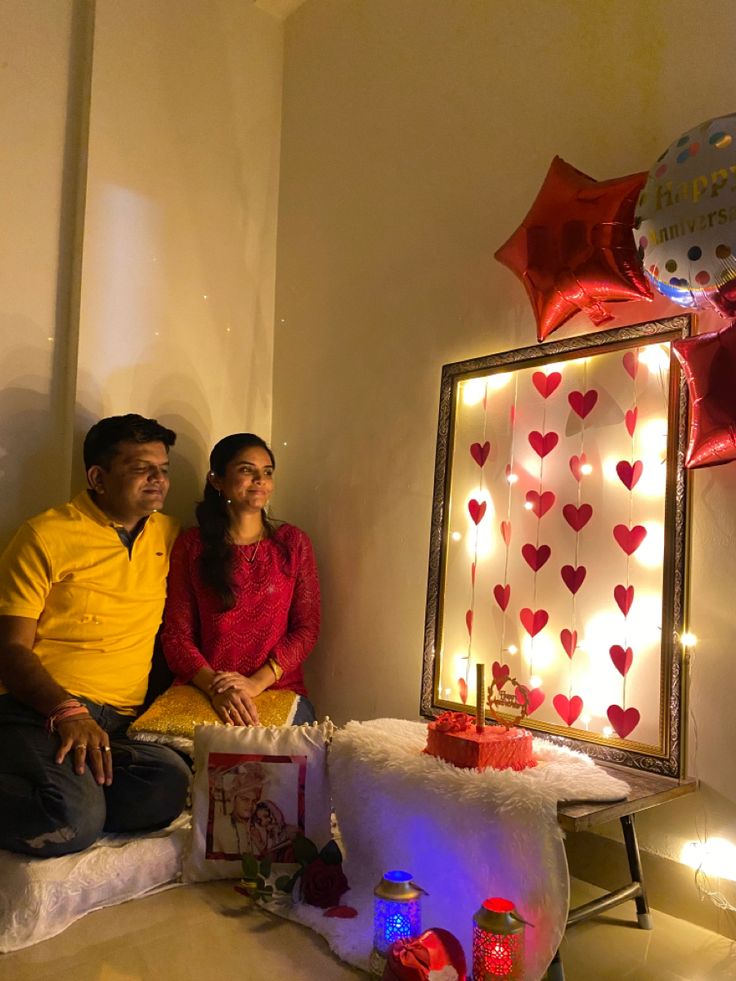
(82,746)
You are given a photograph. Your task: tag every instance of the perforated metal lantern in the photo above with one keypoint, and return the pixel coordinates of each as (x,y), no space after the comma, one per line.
(397,910)
(498,942)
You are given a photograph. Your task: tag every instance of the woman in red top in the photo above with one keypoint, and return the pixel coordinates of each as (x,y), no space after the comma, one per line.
(242,612)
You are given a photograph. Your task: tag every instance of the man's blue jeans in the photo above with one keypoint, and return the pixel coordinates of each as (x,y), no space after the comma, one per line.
(47,809)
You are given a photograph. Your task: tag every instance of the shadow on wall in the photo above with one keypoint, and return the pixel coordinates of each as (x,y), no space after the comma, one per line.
(31,448)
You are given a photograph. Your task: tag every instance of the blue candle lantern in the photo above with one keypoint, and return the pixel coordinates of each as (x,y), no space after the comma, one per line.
(397,910)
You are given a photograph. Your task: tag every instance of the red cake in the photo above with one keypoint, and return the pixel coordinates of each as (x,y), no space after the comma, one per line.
(456,741)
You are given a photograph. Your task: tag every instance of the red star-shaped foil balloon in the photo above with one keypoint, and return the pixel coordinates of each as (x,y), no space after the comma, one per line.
(709,365)
(575,249)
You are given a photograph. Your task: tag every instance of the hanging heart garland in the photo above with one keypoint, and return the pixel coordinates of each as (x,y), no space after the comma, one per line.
(480,452)
(624,721)
(546,385)
(538,503)
(568,709)
(583,403)
(476,510)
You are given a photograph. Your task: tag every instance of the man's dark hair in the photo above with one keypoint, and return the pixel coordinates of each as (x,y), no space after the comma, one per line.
(101,442)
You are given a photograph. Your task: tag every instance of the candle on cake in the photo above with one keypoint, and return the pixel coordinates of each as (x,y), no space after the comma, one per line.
(480,696)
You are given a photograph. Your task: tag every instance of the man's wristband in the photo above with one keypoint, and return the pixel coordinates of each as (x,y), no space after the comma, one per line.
(70,708)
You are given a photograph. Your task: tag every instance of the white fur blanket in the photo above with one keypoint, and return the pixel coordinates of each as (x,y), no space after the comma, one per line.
(463,835)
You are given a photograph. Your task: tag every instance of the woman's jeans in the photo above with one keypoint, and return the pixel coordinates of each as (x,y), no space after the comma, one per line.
(304,712)
(47,809)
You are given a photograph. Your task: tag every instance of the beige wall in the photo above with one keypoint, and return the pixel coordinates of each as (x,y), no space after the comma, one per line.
(35,40)
(179,245)
(415,136)
(138,265)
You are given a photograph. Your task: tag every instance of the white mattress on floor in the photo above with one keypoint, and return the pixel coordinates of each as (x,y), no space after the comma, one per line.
(40,897)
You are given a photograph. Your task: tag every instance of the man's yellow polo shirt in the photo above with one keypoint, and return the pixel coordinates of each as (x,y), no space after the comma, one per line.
(98,607)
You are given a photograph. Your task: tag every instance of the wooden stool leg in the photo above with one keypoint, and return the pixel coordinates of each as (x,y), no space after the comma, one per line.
(643,916)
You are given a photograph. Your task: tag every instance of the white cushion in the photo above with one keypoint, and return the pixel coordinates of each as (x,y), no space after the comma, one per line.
(40,897)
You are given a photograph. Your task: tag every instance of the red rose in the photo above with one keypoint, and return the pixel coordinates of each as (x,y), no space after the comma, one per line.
(323,884)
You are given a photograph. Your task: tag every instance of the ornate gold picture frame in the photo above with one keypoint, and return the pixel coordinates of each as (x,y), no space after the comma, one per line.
(558,541)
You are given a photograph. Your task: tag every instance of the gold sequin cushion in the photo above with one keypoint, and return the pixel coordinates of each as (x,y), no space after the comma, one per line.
(171,718)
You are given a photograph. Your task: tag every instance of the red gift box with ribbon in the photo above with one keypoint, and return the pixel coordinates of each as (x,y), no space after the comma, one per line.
(418,959)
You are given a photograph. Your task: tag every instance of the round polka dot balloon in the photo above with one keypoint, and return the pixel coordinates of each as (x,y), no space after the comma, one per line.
(685,219)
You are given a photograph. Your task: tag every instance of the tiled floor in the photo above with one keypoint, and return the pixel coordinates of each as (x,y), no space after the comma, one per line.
(198,933)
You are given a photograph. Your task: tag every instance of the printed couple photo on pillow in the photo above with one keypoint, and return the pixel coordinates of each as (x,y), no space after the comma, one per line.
(256,805)
(255,790)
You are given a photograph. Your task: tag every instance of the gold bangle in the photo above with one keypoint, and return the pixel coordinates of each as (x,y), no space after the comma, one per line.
(278,671)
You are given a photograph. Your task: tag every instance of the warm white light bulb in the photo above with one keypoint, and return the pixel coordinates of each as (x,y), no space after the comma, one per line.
(586,468)
(456,536)
(688,640)
(607,731)
(512,478)
(528,505)
(535,681)
(512,649)
(715,857)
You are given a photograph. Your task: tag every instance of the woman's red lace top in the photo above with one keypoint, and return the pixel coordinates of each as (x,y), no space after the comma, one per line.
(276,612)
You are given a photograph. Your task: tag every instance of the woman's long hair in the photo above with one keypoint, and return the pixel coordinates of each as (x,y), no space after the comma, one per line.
(218,554)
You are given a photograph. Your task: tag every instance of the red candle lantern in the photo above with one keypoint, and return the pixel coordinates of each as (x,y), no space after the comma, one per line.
(498,942)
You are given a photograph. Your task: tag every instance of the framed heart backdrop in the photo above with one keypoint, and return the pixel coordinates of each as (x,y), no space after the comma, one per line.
(558,541)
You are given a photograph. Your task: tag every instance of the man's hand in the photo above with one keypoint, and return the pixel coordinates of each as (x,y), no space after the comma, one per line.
(88,743)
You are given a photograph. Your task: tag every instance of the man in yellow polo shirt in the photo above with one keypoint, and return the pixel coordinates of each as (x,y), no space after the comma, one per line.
(82,590)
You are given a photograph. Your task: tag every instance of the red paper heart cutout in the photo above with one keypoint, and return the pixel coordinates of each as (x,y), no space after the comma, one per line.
(533,620)
(462,686)
(568,710)
(540,503)
(546,384)
(535,699)
(573,577)
(622,721)
(506,532)
(631,416)
(569,639)
(576,462)
(480,453)
(477,509)
(583,403)
(624,597)
(621,658)
(543,444)
(502,595)
(501,673)
(577,518)
(629,474)
(629,538)
(469,621)
(631,363)
(536,557)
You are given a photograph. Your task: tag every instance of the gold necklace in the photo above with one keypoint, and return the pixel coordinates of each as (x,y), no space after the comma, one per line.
(251,558)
